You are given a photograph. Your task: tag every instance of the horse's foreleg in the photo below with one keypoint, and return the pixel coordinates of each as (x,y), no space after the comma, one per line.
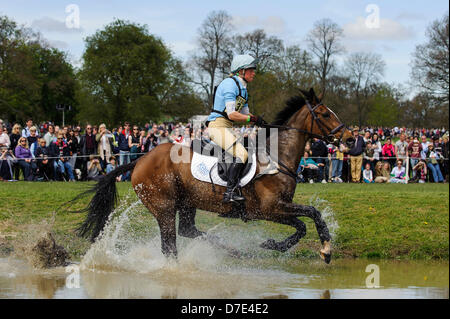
(291,240)
(186,223)
(322,228)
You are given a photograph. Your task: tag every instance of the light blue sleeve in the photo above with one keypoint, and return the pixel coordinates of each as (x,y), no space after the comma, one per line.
(230,90)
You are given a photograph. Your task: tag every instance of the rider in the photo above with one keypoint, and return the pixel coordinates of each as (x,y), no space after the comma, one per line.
(230,105)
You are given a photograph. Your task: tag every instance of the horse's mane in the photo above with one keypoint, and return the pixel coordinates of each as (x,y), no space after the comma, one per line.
(294,104)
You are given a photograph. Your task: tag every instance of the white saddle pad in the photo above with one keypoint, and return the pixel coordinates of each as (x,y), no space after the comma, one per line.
(202,164)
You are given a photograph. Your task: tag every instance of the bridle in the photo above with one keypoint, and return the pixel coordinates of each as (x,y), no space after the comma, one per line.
(328,137)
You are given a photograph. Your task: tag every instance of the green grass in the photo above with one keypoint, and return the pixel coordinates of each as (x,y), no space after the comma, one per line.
(381,220)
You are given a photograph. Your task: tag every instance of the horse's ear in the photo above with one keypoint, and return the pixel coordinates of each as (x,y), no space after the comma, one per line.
(314,98)
(305,94)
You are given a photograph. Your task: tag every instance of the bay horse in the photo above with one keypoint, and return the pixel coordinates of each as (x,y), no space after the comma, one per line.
(165,187)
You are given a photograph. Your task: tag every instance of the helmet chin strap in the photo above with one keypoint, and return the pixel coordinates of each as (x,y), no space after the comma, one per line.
(243,76)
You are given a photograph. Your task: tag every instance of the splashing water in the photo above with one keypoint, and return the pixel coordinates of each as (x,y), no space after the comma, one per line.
(327,213)
(130,243)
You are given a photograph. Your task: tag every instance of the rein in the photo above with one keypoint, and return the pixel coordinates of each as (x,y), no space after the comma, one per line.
(315,119)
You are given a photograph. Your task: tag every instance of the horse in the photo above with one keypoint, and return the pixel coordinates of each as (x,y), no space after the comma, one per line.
(166,188)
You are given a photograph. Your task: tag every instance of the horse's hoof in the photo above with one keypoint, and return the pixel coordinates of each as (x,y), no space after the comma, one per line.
(326,257)
(325,252)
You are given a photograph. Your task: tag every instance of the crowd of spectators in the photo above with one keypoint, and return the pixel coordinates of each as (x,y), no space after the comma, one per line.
(380,155)
(48,152)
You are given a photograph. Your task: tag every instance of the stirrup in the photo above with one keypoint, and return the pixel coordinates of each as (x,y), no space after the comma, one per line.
(231,196)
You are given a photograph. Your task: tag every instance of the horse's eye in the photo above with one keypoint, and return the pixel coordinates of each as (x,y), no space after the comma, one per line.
(326,114)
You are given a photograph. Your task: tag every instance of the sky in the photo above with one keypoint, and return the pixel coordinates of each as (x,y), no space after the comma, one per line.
(400,26)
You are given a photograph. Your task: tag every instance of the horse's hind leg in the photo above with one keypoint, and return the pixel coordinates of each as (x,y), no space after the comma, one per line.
(167,228)
(291,240)
(186,223)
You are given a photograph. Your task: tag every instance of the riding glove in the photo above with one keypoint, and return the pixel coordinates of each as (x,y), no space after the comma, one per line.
(258,120)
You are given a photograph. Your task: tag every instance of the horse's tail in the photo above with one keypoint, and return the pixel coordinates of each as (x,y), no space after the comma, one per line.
(103,202)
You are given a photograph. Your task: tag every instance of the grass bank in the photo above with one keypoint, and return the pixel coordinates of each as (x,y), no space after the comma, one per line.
(380,221)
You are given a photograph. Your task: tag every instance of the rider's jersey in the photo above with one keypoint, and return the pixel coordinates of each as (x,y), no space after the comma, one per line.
(227,98)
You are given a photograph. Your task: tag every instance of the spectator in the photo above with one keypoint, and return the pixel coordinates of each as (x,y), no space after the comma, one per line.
(382,172)
(367,137)
(104,139)
(61,152)
(309,168)
(415,150)
(420,171)
(32,139)
(369,155)
(112,166)
(44,162)
(26,130)
(376,146)
(94,168)
(7,160)
(356,156)
(398,173)
(424,144)
(445,154)
(50,136)
(25,159)
(388,152)
(164,137)
(433,165)
(124,148)
(401,148)
(14,137)
(88,147)
(367,174)
(319,152)
(72,144)
(134,143)
(4,138)
(337,158)
(115,136)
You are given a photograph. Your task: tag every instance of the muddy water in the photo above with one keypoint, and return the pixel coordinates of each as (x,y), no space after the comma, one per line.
(267,278)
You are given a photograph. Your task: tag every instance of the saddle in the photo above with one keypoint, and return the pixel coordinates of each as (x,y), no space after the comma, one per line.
(206,147)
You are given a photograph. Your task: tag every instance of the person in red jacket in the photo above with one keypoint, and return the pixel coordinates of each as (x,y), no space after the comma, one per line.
(388,152)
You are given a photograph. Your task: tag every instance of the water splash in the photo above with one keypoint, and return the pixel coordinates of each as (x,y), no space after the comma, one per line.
(327,213)
(130,243)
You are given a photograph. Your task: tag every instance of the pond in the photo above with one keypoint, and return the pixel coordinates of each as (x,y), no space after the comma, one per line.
(253,278)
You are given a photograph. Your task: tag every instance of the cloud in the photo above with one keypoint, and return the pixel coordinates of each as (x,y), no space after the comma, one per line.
(53,25)
(58,44)
(271,24)
(388,30)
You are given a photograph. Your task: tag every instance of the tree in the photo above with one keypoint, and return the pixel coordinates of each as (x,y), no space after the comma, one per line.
(430,65)
(258,45)
(324,43)
(364,71)
(213,49)
(33,76)
(383,108)
(127,70)
(292,66)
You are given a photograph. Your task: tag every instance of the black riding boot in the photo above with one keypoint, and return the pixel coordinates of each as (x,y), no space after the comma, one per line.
(233,182)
